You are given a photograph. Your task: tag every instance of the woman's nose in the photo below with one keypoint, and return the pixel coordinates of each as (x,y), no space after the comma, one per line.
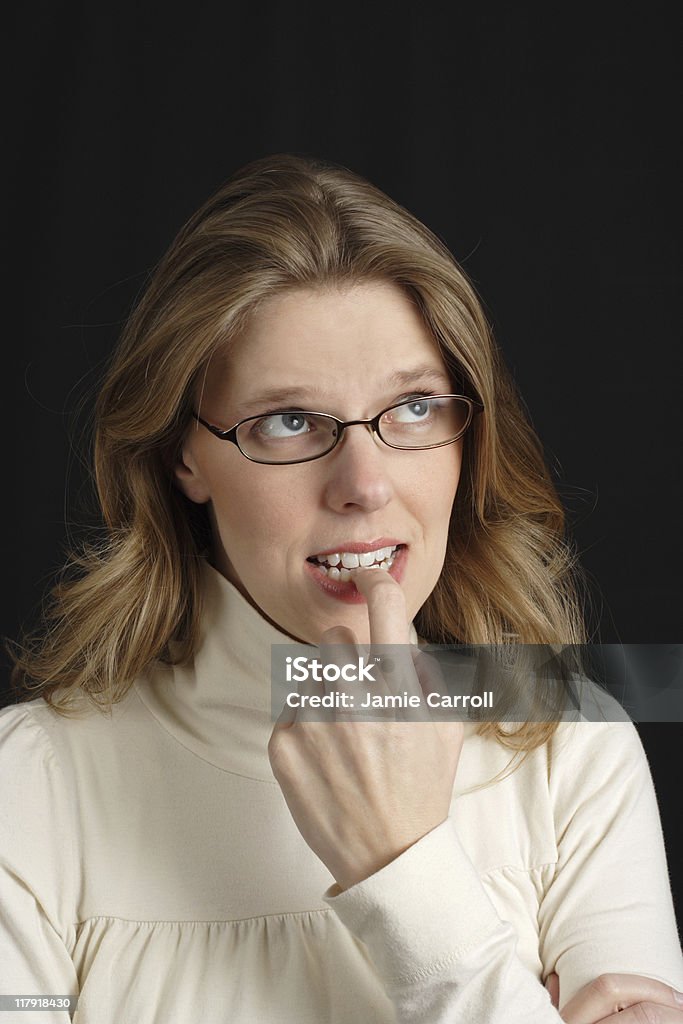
(359,471)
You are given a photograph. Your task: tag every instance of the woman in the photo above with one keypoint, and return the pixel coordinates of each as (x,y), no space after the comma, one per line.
(309,379)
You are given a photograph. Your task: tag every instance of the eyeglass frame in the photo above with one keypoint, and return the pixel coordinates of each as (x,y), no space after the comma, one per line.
(230,434)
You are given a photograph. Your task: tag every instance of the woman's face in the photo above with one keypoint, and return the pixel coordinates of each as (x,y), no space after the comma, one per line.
(328,351)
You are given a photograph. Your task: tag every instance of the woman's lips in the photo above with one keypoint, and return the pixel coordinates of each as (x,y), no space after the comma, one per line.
(347,591)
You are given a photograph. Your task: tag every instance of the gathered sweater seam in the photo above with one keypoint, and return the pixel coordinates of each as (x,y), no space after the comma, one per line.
(187,920)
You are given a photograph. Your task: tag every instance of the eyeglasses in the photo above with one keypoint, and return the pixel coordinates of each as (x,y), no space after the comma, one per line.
(290,436)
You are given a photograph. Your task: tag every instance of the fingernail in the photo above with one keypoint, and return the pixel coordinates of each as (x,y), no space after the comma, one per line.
(678,996)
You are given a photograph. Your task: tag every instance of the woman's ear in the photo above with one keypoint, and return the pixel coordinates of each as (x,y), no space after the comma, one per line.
(188,477)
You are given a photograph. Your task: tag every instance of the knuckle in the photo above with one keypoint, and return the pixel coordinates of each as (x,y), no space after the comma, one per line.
(279,755)
(429,665)
(338,635)
(275,758)
(607,986)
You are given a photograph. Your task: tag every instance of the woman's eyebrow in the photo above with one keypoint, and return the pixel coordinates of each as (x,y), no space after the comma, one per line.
(297,393)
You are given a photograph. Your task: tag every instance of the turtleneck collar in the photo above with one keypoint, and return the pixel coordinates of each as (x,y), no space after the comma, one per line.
(219,706)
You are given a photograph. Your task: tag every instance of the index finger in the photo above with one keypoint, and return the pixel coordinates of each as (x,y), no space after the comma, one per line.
(389,628)
(386,606)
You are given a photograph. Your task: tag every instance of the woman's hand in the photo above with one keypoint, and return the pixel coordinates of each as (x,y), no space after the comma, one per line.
(362,792)
(620,999)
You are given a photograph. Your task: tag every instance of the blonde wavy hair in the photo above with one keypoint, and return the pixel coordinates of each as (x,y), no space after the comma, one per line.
(510,575)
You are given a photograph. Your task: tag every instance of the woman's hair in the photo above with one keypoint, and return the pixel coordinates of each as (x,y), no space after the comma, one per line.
(510,576)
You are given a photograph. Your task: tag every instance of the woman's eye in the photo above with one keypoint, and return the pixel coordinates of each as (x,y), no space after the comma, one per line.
(286,424)
(413,410)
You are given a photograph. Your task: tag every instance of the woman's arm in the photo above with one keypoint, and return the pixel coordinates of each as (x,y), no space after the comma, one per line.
(607,906)
(436,940)
(36,867)
(372,800)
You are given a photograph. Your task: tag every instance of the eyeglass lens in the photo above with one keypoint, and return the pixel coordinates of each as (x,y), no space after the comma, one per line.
(288,436)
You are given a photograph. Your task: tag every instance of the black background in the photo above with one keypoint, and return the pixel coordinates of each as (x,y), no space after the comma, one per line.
(543,148)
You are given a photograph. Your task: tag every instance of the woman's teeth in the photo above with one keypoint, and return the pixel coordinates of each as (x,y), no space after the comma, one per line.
(339,566)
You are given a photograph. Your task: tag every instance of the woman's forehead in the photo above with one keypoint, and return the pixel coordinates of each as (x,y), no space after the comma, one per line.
(309,331)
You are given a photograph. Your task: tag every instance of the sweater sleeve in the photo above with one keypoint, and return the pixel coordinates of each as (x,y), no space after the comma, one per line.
(446,957)
(36,868)
(439,946)
(608,905)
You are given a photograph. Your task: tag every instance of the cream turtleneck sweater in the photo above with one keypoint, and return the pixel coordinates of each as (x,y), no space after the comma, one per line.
(149,863)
